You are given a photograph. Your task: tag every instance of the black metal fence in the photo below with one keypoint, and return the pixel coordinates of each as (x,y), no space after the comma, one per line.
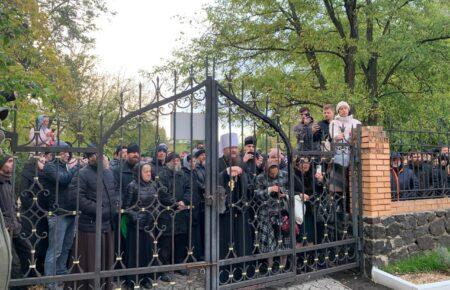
(239,212)
(420,165)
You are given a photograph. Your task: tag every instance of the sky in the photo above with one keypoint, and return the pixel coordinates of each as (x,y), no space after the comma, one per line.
(143,33)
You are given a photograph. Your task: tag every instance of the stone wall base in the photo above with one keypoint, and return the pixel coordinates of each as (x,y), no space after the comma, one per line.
(389,239)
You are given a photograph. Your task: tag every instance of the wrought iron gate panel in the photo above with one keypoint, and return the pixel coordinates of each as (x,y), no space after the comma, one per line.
(253,235)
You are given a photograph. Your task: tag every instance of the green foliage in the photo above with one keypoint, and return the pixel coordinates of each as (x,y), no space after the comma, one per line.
(45,60)
(437,260)
(72,21)
(33,64)
(387,58)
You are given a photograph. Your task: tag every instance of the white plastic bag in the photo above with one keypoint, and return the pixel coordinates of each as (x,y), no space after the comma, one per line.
(299,209)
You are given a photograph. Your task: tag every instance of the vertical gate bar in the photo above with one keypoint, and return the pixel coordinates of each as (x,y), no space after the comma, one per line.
(207,250)
(359,196)
(211,238)
(139,142)
(215,214)
(354,160)
(191,170)
(98,209)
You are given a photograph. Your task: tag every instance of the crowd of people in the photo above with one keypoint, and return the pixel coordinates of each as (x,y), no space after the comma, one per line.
(153,208)
(420,174)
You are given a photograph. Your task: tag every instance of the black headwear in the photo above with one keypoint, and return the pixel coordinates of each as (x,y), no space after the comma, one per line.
(172,156)
(250,140)
(133,148)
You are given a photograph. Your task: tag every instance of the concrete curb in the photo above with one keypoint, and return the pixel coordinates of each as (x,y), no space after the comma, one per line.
(391,281)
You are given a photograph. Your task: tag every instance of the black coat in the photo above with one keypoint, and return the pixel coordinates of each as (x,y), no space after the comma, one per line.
(306,183)
(252,172)
(180,192)
(324,132)
(32,210)
(84,183)
(30,188)
(424,173)
(441,180)
(123,175)
(195,194)
(141,195)
(57,176)
(113,163)
(306,139)
(241,229)
(157,167)
(201,177)
(8,206)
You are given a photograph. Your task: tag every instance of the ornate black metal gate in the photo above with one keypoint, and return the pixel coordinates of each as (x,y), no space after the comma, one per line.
(263,216)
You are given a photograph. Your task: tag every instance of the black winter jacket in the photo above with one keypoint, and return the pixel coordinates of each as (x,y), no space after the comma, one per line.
(141,204)
(31,188)
(181,192)
(8,206)
(56,179)
(195,194)
(157,167)
(123,175)
(84,183)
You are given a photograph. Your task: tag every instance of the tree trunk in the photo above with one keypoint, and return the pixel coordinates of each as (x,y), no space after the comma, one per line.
(372,70)
(313,62)
(350,67)
(350,50)
(372,84)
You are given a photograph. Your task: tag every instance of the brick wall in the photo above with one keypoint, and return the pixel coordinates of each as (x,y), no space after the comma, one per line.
(420,205)
(393,230)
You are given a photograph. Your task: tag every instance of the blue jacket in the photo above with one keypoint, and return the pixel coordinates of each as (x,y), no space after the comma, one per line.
(403,182)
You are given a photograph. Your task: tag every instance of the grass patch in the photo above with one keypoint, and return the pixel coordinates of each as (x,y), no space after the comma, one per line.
(437,260)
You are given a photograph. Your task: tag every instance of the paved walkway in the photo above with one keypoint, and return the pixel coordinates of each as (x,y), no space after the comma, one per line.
(319,284)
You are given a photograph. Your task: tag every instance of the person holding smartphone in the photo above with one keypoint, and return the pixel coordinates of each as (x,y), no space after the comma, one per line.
(306,132)
(252,161)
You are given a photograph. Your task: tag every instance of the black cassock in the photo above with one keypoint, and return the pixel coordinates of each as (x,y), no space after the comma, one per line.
(235,234)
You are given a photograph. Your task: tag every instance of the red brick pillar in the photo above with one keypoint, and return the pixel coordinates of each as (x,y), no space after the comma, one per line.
(375,160)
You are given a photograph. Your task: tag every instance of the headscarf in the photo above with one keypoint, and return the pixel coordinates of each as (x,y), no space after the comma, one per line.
(40,123)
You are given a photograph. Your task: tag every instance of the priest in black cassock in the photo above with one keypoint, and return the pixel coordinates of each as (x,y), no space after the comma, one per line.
(235,237)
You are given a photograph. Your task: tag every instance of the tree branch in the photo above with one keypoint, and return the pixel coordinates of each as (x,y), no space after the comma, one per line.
(293,102)
(391,71)
(434,39)
(334,19)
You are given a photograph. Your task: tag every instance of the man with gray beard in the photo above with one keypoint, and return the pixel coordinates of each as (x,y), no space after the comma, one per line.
(174,220)
(235,231)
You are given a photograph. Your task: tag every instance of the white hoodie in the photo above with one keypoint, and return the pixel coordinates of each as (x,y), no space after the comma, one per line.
(343,125)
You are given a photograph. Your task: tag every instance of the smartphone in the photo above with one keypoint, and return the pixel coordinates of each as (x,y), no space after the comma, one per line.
(319,169)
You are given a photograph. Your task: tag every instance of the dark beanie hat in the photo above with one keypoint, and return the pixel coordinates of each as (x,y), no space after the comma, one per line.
(249,140)
(162,147)
(133,148)
(3,159)
(172,156)
(199,152)
(396,155)
(89,154)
